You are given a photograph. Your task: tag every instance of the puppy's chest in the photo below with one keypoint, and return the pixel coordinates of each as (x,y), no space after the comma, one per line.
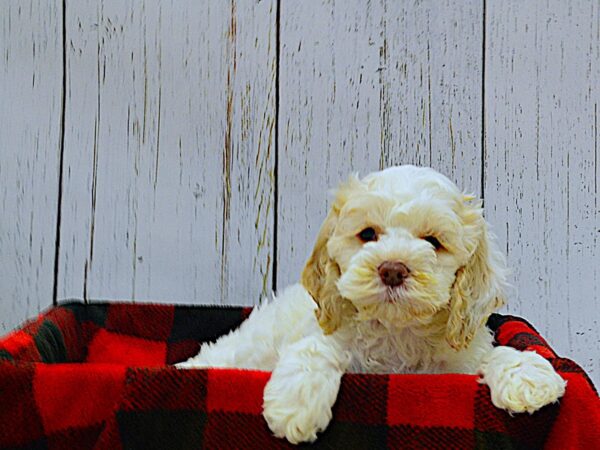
(375,350)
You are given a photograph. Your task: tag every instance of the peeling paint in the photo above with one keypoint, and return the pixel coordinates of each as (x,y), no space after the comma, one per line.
(228,144)
(156,162)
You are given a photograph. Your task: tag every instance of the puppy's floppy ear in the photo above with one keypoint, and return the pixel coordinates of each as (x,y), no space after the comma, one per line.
(321,272)
(479,284)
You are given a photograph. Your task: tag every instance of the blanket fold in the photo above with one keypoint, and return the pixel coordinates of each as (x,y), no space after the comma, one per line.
(98,376)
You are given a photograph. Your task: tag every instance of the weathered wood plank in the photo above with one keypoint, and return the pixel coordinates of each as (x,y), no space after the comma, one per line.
(365,86)
(173,110)
(542,96)
(30,116)
(431,87)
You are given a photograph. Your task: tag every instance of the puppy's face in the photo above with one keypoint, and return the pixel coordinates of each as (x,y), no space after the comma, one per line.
(405,247)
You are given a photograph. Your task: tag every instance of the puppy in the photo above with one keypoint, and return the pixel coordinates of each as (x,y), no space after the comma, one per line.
(402,279)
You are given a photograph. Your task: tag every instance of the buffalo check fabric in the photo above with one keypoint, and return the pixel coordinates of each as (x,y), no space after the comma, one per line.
(99,376)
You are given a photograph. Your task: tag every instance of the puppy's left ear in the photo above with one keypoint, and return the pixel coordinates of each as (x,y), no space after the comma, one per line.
(478,289)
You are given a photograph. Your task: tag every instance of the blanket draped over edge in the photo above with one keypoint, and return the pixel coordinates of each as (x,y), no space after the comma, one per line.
(97,376)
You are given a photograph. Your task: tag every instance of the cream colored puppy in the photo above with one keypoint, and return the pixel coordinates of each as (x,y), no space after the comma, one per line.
(402,279)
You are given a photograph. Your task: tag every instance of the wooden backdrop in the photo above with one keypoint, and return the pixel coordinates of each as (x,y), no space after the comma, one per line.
(182,151)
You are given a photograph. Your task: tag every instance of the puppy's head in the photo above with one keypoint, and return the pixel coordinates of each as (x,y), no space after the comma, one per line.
(405,247)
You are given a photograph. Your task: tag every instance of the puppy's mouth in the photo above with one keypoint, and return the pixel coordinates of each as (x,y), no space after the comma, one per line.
(396,294)
(415,286)
(367,289)
(414,302)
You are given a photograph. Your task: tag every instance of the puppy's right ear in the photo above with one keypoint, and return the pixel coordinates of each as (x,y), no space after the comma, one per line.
(319,278)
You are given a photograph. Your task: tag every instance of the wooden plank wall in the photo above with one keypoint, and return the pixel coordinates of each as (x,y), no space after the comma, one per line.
(172,198)
(200,141)
(542,90)
(30,123)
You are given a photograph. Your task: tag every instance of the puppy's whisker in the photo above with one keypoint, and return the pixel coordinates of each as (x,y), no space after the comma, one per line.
(423,278)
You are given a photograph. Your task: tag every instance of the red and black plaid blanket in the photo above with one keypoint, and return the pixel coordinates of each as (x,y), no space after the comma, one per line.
(96,376)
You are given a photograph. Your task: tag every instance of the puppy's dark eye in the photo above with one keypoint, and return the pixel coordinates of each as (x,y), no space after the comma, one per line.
(367,235)
(433,241)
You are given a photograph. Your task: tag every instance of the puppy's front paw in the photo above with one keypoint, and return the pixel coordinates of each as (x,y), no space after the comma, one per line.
(520,381)
(297,424)
(298,407)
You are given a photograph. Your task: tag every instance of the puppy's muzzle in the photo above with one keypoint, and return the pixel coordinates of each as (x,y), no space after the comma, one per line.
(393,273)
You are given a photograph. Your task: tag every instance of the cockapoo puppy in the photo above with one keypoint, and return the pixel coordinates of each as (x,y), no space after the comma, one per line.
(402,279)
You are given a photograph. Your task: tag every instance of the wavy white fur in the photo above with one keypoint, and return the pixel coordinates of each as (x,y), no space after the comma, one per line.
(520,381)
(344,318)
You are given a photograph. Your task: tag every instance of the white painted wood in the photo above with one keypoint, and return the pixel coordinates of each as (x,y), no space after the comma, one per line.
(431,87)
(365,86)
(542,95)
(169,151)
(30,115)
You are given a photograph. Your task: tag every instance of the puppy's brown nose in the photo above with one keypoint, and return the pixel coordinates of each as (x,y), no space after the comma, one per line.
(393,273)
